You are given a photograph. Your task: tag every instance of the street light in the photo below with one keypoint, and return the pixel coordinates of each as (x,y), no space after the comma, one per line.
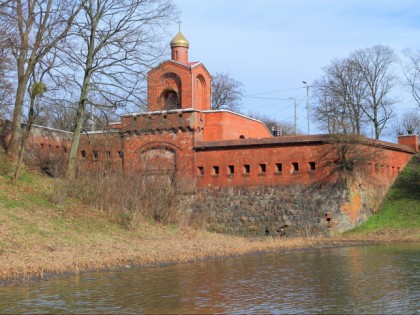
(295,124)
(307,103)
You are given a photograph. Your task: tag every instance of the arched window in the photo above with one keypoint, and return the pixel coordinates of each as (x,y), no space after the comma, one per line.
(171,100)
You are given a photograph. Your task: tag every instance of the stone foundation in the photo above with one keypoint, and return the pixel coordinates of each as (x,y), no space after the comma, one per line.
(283,211)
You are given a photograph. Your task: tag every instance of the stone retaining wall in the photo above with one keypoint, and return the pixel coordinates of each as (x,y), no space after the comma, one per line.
(285,211)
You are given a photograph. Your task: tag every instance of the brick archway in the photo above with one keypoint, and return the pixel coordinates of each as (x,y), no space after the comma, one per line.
(158,164)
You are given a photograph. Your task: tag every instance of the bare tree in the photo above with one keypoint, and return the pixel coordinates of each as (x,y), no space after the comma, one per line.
(375,66)
(34,27)
(115,41)
(408,123)
(355,91)
(6,86)
(36,90)
(340,94)
(226,92)
(411,70)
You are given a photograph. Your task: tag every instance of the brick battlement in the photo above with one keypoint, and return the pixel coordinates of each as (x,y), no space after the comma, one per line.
(162,120)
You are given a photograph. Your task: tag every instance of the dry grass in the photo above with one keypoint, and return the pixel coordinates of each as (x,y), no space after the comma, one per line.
(39,235)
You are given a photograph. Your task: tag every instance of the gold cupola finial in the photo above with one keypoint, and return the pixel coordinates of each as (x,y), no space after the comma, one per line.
(179,40)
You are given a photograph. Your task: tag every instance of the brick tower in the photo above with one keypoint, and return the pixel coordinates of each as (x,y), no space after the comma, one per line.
(179,83)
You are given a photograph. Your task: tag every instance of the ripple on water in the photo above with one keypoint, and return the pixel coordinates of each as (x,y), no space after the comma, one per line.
(371,279)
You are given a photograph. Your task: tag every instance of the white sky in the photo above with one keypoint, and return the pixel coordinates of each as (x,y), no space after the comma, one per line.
(272,45)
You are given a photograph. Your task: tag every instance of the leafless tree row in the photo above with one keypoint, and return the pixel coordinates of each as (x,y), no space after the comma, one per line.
(355,92)
(93,56)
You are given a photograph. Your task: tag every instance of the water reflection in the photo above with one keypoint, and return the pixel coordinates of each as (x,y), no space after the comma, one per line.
(374,279)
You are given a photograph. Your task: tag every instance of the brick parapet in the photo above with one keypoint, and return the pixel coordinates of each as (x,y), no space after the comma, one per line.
(298,140)
(411,141)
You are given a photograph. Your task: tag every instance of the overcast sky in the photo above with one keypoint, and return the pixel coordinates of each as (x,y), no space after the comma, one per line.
(272,45)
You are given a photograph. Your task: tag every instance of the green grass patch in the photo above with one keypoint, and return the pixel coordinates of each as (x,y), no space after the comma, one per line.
(9,203)
(401,207)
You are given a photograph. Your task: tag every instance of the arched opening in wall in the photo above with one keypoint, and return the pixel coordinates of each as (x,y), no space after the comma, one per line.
(157,174)
(170,99)
(200,91)
(158,163)
(169,91)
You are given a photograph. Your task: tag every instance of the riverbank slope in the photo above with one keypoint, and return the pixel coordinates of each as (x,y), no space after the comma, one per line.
(41,234)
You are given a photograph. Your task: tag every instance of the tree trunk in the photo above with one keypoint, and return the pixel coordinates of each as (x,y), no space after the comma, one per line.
(13,147)
(72,158)
(16,175)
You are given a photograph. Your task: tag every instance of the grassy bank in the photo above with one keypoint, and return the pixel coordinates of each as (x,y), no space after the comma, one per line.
(399,215)
(42,233)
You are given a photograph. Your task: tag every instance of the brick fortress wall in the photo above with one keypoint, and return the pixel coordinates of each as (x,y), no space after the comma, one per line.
(280,185)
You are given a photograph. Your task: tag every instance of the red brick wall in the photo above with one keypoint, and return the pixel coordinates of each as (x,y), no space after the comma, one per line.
(225,125)
(194,75)
(314,163)
(101,150)
(411,141)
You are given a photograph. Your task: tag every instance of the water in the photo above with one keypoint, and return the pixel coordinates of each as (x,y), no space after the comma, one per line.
(380,279)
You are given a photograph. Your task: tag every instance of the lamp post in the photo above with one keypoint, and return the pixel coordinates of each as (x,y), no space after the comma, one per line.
(307,104)
(295,124)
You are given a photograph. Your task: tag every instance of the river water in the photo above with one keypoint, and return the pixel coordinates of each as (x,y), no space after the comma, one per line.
(377,279)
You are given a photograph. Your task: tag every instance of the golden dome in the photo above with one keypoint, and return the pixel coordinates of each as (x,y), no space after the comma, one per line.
(180,41)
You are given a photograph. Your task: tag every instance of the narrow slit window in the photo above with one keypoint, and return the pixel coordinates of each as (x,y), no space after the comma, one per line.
(231,169)
(247,169)
(295,167)
(263,168)
(215,170)
(312,166)
(83,153)
(279,167)
(200,170)
(95,154)
(108,154)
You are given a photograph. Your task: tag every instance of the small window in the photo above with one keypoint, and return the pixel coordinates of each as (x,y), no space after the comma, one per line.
(241,137)
(42,145)
(83,153)
(312,166)
(65,150)
(176,54)
(247,169)
(231,169)
(279,167)
(263,168)
(120,154)
(108,154)
(95,154)
(295,167)
(200,170)
(215,170)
